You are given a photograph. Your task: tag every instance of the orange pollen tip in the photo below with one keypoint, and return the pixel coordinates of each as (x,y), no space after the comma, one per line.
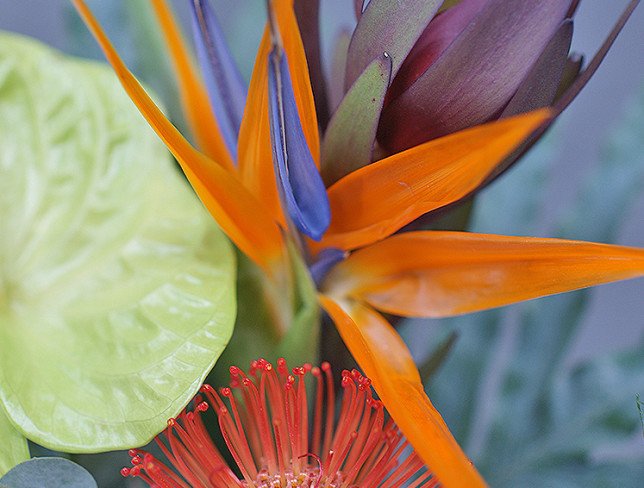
(279,437)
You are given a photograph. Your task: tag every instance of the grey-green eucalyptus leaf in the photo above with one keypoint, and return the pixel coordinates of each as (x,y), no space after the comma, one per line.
(53,472)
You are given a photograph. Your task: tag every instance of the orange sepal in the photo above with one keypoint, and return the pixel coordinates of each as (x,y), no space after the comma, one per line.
(254,149)
(377,200)
(194,97)
(384,357)
(439,274)
(238,213)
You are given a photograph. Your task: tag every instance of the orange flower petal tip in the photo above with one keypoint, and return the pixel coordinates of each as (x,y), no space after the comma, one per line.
(375,201)
(384,357)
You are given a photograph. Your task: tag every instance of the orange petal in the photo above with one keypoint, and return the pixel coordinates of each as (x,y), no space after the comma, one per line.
(254,150)
(438,274)
(238,213)
(384,357)
(377,200)
(194,98)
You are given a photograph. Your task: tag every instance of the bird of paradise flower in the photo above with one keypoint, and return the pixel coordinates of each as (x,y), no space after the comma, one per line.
(258,174)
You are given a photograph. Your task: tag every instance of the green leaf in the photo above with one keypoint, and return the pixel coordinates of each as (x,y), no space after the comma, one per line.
(300,343)
(53,472)
(13,446)
(116,288)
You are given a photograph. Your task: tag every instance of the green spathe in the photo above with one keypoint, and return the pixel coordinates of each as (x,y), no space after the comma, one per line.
(117,291)
(13,446)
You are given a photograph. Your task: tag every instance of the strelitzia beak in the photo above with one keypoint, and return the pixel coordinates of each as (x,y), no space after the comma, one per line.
(469,63)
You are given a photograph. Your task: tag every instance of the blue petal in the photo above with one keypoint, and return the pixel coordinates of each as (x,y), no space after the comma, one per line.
(301,187)
(327,259)
(226,87)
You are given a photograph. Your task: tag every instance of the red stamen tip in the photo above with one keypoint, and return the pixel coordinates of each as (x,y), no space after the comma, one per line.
(282,368)
(268,425)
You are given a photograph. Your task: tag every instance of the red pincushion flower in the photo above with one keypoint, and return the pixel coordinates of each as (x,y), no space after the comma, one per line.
(279,439)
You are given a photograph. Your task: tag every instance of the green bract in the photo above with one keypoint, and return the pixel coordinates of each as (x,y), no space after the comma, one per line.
(116,288)
(255,330)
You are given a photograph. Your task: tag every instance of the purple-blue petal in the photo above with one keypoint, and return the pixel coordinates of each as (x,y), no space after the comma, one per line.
(226,87)
(301,187)
(476,75)
(326,260)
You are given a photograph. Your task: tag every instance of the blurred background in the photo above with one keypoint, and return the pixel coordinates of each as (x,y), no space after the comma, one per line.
(526,374)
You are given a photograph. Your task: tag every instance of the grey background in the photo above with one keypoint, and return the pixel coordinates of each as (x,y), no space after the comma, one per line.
(617,317)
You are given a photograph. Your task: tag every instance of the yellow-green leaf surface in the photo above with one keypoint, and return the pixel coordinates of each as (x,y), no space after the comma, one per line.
(13,446)
(116,289)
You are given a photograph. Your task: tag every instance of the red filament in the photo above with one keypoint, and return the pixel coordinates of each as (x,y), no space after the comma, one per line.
(280,437)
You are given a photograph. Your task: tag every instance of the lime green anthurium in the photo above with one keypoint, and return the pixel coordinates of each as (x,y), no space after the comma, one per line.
(13,446)
(117,293)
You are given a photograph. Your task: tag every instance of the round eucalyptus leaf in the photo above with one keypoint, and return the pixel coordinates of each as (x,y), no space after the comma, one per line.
(116,288)
(49,472)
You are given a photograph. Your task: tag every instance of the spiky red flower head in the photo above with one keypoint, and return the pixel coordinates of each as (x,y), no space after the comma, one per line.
(278,440)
